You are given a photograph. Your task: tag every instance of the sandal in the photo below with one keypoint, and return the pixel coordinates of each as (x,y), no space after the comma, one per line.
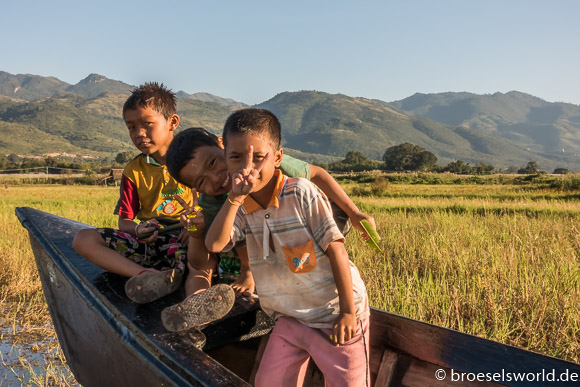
(196,337)
(199,309)
(148,286)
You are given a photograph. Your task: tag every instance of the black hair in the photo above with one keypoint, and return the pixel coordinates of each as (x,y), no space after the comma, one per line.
(183,147)
(155,95)
(254,120)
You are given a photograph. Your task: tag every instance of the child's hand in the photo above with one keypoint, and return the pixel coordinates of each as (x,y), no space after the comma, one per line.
(357,217)
(344,328)
(147,226)
(192,218)
(183,238)
(244,180)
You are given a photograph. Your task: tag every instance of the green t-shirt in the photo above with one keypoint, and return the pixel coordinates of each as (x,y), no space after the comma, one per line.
(211,204)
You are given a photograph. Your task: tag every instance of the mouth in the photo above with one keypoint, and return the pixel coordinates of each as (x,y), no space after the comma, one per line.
(226,181)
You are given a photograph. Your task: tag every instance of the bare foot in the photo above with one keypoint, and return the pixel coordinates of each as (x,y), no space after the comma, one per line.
(146,272)
(244,285)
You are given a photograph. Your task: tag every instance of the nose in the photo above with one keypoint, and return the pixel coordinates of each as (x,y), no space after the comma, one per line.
(141,132)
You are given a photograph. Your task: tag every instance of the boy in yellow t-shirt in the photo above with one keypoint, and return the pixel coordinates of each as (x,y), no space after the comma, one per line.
(155,263)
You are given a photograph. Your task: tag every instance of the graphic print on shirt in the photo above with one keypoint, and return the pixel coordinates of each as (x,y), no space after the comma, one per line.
(300,259)
(169,205)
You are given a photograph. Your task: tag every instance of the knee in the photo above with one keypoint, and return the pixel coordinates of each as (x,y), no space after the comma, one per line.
(84,240)
(266,377)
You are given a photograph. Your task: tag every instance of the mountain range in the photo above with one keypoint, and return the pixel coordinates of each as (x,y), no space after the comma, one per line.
(40,115)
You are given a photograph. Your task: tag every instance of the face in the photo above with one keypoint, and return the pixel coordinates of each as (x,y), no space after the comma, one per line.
(207,171)
(237,151)
(150,131)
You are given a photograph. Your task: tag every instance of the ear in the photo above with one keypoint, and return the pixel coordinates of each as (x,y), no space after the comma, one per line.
(173,122)
(221,142)
(278,155)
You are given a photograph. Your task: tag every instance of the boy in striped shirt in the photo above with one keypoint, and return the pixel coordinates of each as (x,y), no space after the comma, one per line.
(302,273)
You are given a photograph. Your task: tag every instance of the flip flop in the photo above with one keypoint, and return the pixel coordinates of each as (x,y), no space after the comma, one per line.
(196,337)
(199,309)
(147,287)
(192,337)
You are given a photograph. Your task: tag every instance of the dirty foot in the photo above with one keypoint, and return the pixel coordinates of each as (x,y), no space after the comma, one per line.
(244,284)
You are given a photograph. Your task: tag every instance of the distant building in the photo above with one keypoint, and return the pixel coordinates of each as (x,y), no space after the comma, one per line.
(116,175)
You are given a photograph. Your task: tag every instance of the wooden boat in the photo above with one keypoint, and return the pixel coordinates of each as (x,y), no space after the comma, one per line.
(109,340)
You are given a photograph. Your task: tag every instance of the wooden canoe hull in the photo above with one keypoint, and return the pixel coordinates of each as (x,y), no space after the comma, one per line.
(107,339)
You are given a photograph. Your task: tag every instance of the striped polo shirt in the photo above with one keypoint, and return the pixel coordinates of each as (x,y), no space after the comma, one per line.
(286,245)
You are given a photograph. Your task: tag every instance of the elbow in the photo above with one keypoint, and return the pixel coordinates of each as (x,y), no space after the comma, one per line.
(315,172)
(198,264)
(212,247)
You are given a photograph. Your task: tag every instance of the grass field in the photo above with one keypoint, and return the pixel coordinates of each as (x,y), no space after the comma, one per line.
(30,350)
(496,259)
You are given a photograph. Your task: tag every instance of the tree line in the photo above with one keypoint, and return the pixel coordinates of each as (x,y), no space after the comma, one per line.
(410,157)
(13,164)
(398,158)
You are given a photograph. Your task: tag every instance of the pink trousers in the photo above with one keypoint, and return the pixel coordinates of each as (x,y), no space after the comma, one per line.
(291,345)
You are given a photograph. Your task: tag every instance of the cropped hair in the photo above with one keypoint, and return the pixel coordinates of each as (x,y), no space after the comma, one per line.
(254,120)
(183,147)
(154,95)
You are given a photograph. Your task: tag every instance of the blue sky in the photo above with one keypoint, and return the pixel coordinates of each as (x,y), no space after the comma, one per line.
(251,50)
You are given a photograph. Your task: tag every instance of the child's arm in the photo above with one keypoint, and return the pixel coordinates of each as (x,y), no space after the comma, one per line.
(243,183)
(127,208)
(335,193)
(218,235)
(244,284)
(197,254)
(344,327)
(129,226)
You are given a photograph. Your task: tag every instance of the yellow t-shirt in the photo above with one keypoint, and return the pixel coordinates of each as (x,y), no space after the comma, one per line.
(147,191)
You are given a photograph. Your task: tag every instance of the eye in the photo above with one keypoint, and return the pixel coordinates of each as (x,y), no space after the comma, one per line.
(200,184)
(211,163)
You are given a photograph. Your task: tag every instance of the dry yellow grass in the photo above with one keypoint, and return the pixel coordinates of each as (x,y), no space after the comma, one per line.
(25,318)
(512,276)
(514,279)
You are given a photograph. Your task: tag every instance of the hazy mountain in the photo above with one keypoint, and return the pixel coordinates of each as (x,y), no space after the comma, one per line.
(334,124)
(69,123)
(26,86)
(63,123)
(207,97)
(501,129)
(75,124)
(31,87)
(96,84)
(529,121)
